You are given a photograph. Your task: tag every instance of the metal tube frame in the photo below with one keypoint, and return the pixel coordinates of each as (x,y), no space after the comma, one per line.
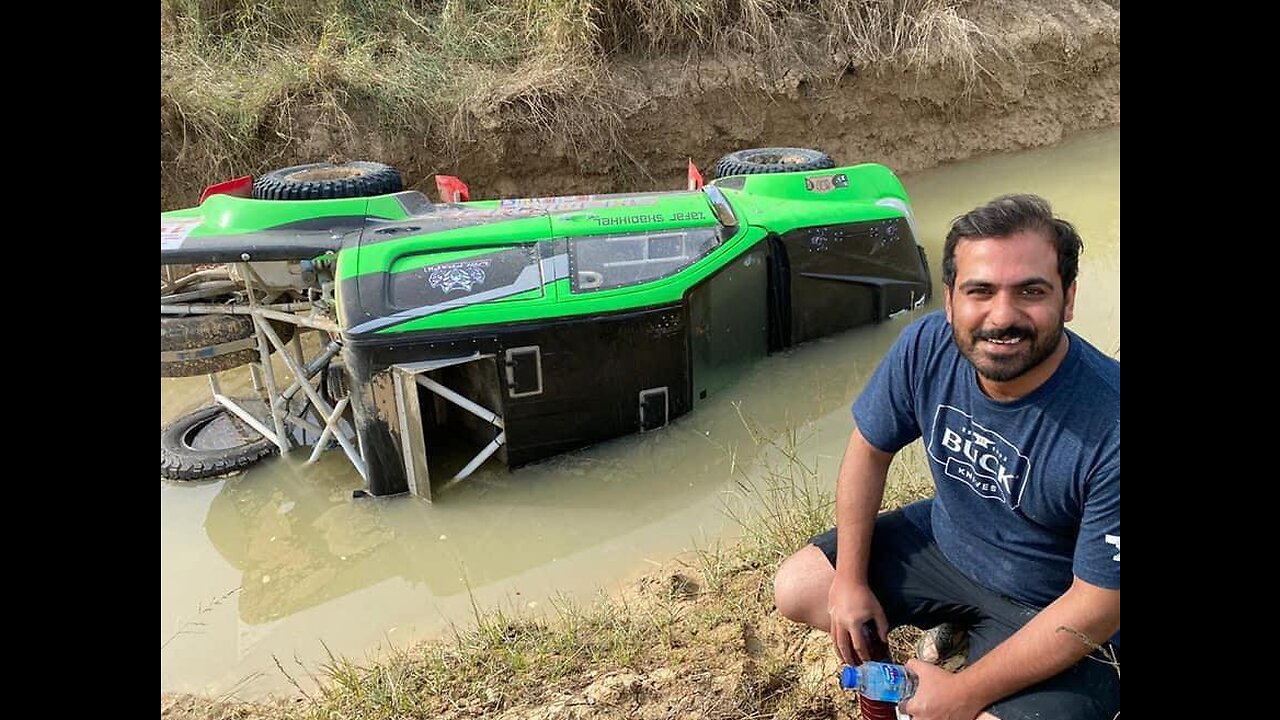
(263,376)
(407,376)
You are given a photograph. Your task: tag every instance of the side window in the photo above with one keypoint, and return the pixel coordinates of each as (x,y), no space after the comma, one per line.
(612,261)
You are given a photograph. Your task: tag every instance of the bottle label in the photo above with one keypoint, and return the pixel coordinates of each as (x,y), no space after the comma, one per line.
(892,676)
(885,681)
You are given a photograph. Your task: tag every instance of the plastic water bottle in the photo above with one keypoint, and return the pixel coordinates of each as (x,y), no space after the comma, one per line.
(869,708)
(886,682)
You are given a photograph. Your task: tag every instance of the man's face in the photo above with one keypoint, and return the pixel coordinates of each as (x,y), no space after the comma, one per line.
(1007,309)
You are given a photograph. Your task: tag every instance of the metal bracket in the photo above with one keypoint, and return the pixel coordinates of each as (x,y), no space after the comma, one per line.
(515,355)
(407,377)
(645,395)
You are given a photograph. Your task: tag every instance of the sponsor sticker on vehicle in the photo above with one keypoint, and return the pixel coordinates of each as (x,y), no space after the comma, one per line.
(457,276)
(174,231)
(578,202)
(826,183)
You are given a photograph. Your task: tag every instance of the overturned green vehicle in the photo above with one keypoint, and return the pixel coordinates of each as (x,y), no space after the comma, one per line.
(456,332)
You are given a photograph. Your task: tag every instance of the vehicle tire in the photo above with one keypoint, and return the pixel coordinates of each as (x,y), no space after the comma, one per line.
(202,344)
(758,161)
(327,181)
(208,443)
(335,384)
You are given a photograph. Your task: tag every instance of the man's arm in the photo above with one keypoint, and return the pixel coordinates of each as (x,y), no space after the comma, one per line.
(1044,647)
(859,490)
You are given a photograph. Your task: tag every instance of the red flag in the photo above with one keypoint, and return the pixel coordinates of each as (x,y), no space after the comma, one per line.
(695,177)
(240,187)
(452,189)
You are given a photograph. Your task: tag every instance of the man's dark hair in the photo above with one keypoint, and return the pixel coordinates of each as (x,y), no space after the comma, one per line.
(1009,214)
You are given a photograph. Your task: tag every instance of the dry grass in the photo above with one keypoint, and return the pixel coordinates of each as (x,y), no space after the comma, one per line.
(782,500)
(249,85)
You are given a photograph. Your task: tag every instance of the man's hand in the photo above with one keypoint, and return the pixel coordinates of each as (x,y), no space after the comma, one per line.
(940,696)
(852,604)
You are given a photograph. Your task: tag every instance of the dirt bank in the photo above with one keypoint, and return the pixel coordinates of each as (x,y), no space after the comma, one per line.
(715,649)
(1051,69)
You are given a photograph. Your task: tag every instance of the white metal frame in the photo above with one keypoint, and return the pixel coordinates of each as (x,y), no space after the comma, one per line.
(331,424)
(407,377)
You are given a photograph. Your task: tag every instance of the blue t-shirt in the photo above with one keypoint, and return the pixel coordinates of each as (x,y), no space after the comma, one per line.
(1028,491)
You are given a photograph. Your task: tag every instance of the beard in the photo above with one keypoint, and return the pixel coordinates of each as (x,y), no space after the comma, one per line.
(1005,367)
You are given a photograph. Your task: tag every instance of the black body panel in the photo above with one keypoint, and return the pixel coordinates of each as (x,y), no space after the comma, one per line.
(596,373)
(843,276)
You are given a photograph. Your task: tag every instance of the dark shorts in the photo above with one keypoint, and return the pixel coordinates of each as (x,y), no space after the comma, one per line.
(917,586)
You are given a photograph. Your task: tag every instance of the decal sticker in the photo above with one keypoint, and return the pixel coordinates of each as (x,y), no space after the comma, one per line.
(576,202)
(457,276)
(630,219)
(692,215)
(650,218)
(826,183)
(175,230)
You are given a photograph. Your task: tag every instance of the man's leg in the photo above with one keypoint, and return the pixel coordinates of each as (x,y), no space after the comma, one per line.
(913,582)
(800,588)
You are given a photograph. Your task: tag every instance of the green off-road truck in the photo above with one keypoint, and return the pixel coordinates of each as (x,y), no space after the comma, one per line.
(449,333)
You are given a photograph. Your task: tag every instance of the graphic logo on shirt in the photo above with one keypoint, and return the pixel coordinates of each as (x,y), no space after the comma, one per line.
(1114,540)
(977,456)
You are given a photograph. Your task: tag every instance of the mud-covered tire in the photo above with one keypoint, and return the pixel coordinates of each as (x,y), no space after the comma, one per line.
(201,344)
(327,181)
(758,161)
(191,450)
(335,383)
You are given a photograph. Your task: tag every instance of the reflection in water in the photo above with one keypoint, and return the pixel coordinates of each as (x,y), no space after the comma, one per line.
(296,538)
(269,565)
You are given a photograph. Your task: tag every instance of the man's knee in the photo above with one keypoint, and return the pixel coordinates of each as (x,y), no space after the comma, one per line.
(785,591)
(801,584)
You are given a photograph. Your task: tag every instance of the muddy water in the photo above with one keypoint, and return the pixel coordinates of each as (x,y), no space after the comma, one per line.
(280,564)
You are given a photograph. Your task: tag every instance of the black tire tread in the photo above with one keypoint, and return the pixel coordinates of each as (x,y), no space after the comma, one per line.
(193,332)
(373,179)
(759,161)
(179,461)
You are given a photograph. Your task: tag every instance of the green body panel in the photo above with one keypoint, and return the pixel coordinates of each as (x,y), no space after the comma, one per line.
(774,203)
(379,258)
(228,215)
(782,202)
(390,236)
(559,301)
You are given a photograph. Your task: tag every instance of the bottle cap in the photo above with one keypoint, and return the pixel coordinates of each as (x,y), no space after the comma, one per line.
(848,677)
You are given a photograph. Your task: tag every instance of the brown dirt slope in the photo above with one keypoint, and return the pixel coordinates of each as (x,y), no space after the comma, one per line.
(1046,69)
(715,650)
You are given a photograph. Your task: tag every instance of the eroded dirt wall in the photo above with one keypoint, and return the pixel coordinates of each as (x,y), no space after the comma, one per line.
(1060,74)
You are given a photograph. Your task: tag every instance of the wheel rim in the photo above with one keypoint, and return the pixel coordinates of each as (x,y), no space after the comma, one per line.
(229,434)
